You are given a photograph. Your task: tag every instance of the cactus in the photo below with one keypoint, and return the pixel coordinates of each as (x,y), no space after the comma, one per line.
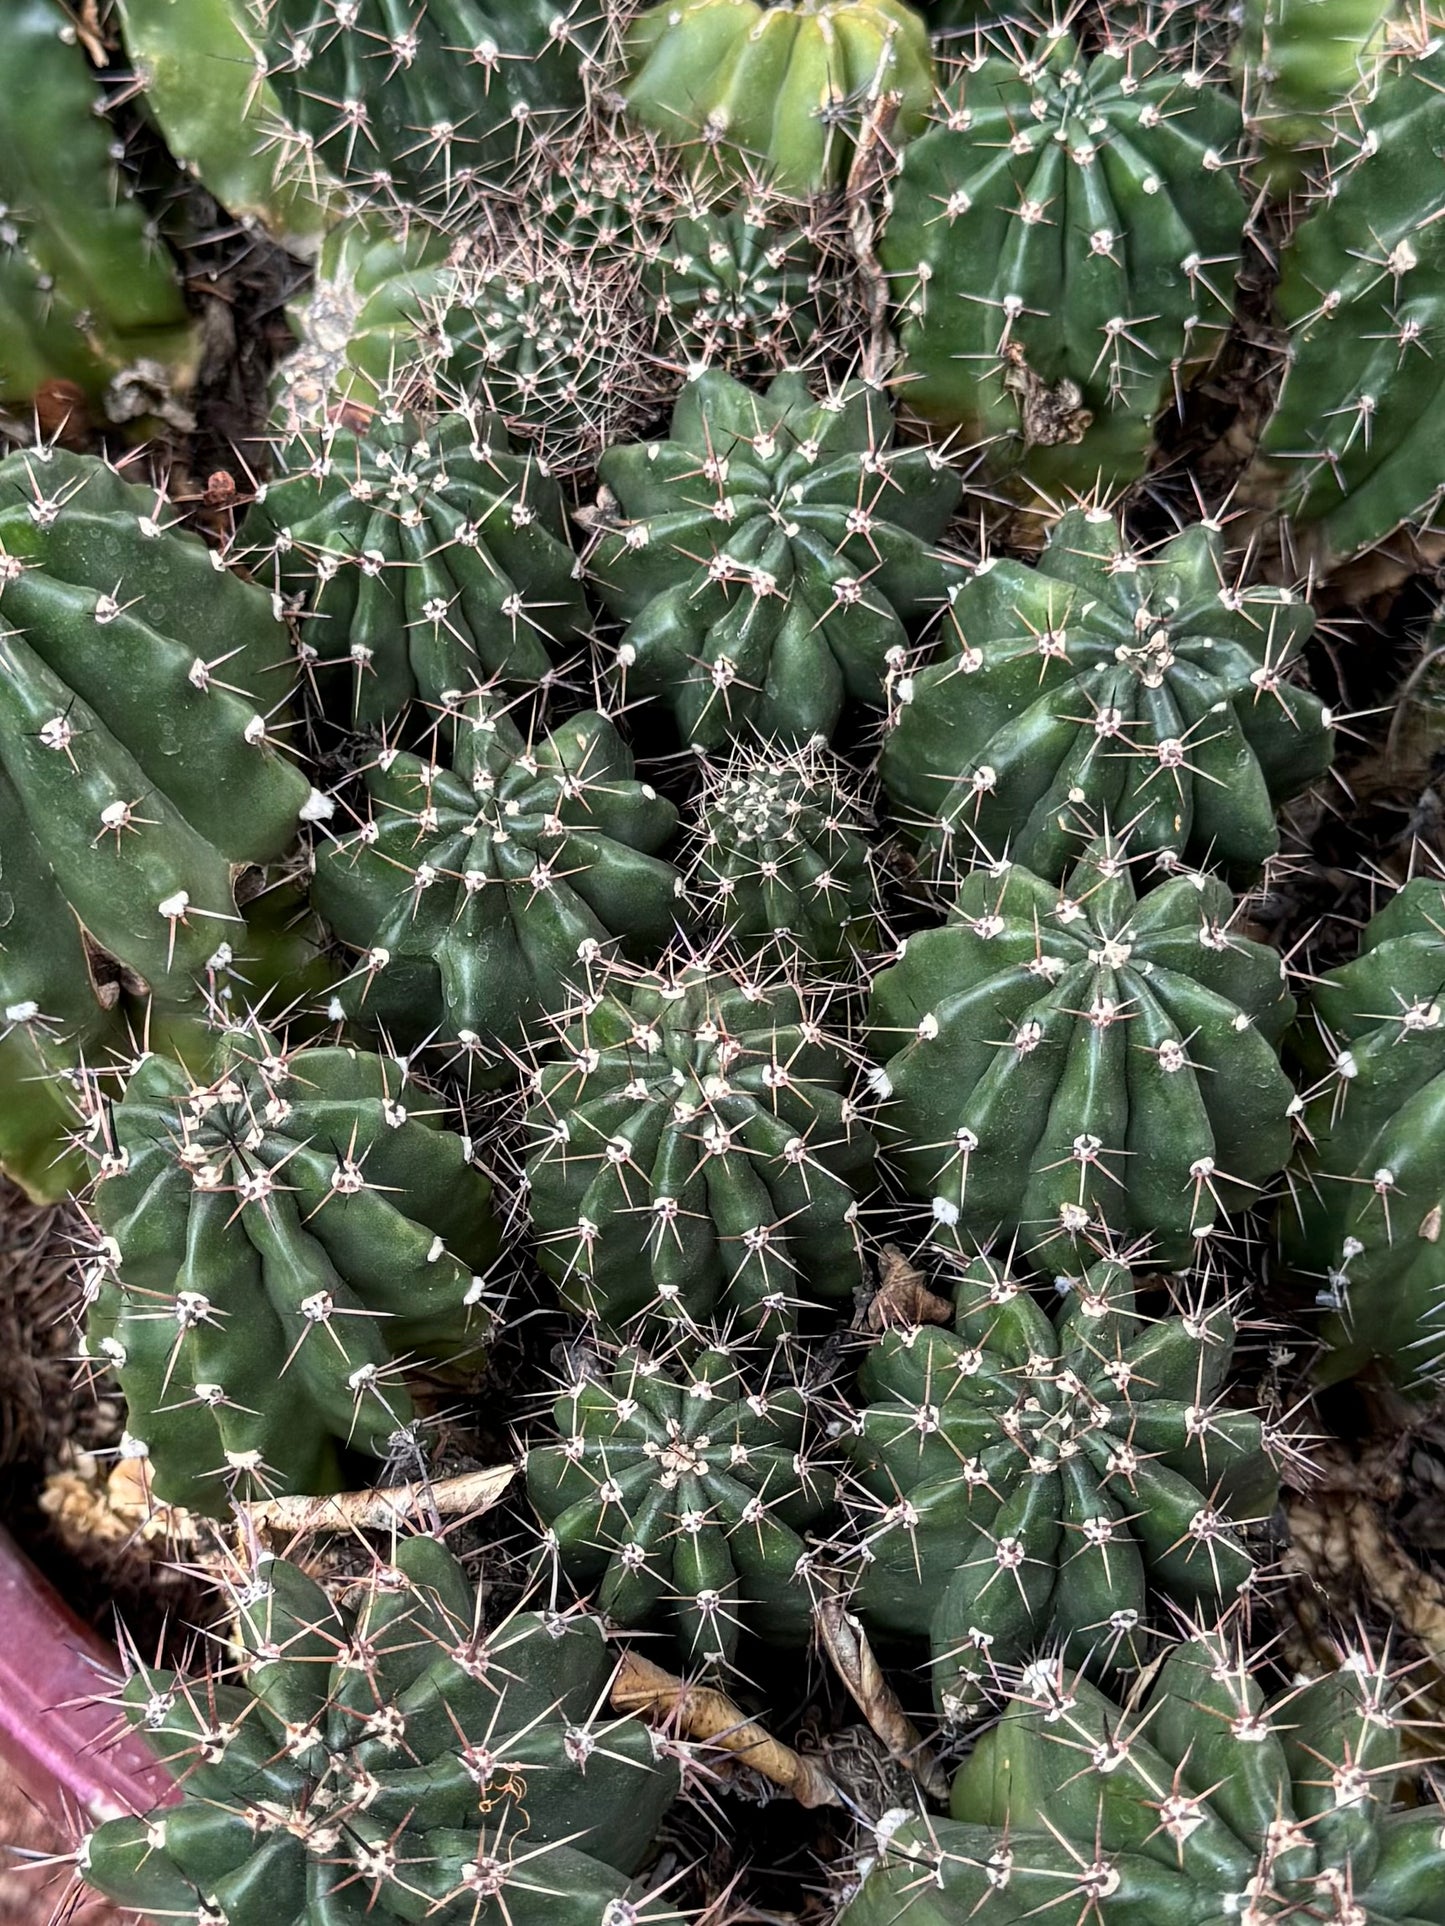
(480,894)
(1364,1218)
(1062,247)
(389,1759)
(145,767)
(1029,1483)
(1206,1802)
(694,1152)
(426,556)
(778,90)
(278,1239)
(1355,436)
(87,295)
(1155,692)
(767,555)
(677,1485)
(1298,64)
(781,855)
(1076,1064)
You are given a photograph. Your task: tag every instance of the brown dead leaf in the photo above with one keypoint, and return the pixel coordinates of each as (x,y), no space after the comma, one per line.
(903,1296)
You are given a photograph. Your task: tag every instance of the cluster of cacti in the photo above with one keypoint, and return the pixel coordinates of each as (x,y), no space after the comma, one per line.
(676,813)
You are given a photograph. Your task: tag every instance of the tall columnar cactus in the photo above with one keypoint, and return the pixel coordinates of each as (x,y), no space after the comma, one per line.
(87,293)
(390,1758)
(779,91)
(136,737)
(1076,1063)
(1364,1216)
(425,555)
(681,1486)
(696,1152)
(781,857)
(1207,1802)
(482,895)
(1062,246)
(1030,1483)
(1155,691)
(1355,438)
(277,1241)
(767,556)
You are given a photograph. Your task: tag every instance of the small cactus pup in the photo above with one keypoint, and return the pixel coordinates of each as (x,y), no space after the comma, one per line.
(1363,1218)
(1153,690)
(1298,64)
(1062,247)
(387,1757)
(781,859)
(678,1485)
(780,91)
(277,1243)
(1079,1066)
(482,895)
(1199,1803)
(143,752)
(1354,442)
(1031,1483)
(425,555)
(768,556)
(696,1152)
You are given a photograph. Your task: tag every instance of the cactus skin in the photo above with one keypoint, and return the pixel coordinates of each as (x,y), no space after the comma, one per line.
(781,858)
(1032,1483)
(278,1238)
(1152,692)
(694,1153)
(87,294)
(1355,437)
(1364,1217)
(390,1760)
(678,1486)
(767,555)
(735,289)
(491,887)
(143,822)
(1298,62)
(1203,1805)
(427,556)
(777,90)
(1051,302)
(1077,1064)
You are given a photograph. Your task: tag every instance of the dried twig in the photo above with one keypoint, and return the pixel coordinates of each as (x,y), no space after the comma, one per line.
(844,1641)
(703,1714)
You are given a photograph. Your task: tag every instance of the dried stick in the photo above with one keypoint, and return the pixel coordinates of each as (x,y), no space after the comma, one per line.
(844,1641)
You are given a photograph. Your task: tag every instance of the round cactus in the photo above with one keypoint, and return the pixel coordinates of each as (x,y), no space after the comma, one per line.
(1298,63)
(276,1241)
(1154,692)
(1029,1484)
(480,894)
(677,1485)
(1201,1803)
(1062,245)
(779,91)
(695,1152)
(426,556)
(1078,1065)
(767,555)
(389,1759)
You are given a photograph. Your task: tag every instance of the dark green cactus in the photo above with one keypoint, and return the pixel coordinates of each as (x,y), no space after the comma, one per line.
(424,554)
(1363,1220)
(1062,246)
(1030,1483)
(781,857)
(1298,64)
(1205,1803)
(277,1240)
(768,554)
(695,1152)
(482,895)
(681,1486)
(389,1759)
(1154,691)
(1079,1065)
